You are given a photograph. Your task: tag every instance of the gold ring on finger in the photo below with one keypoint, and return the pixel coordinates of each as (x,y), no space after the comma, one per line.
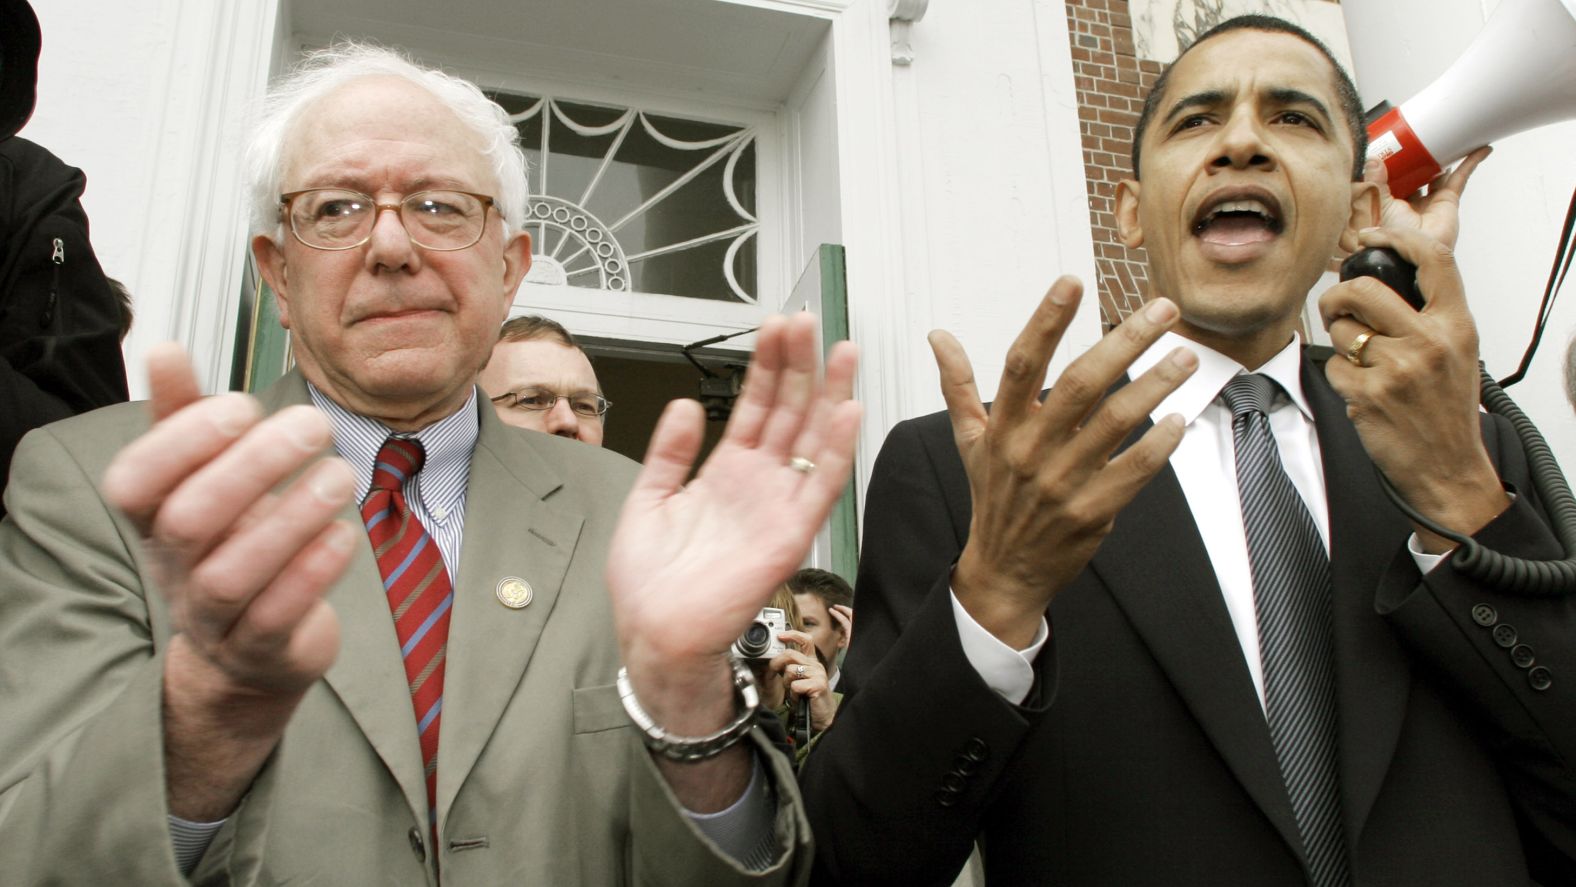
(1354,351)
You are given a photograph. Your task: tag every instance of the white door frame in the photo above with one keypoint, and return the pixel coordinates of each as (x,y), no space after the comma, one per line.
(226,50)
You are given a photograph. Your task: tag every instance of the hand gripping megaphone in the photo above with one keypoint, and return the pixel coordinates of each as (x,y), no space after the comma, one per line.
(1518,74)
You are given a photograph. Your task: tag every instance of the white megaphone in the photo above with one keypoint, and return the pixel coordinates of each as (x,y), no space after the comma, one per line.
(1518,74)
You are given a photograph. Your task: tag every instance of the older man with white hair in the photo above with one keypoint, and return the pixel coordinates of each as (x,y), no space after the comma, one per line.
(232,658)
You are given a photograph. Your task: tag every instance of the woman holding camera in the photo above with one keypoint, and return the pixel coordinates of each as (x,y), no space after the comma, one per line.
(797,701)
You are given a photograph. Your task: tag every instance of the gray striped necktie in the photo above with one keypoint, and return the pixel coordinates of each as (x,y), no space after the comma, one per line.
(1292,594)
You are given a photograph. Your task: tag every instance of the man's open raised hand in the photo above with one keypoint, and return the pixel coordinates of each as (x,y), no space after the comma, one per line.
(1045,485)
(691,564)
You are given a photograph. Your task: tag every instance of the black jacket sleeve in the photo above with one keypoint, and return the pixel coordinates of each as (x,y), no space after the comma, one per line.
(1509,659)
(899,785)
(59,320)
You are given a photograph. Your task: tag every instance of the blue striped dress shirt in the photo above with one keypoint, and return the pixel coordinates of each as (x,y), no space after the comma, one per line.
(436,494)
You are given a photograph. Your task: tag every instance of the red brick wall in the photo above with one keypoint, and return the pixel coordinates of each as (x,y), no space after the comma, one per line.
(1111,81)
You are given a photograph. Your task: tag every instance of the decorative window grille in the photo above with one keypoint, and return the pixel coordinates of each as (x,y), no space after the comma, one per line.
(630,201)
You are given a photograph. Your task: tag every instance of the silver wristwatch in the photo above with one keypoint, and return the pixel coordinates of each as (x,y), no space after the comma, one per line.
(689,749)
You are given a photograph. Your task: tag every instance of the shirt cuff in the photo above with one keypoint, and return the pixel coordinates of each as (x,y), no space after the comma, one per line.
(1425,561)
(191,840)
(746,830)
(1007,671)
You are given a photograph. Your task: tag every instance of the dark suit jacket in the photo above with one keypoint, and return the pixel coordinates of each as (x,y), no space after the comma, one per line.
(1142,755)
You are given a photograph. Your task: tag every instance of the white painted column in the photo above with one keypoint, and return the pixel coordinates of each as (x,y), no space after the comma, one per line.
(963,188)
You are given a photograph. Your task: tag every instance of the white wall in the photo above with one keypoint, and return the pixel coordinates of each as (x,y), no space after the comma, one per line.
(991,171)
(101,111)
(1155,22)
(148,97)
(1513,208)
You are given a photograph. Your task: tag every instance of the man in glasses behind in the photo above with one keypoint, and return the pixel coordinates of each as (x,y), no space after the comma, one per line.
(538,378)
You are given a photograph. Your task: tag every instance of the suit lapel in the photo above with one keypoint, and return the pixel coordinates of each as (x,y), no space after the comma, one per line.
(1372,672)
(511,530)
(1174,602)
(368,676)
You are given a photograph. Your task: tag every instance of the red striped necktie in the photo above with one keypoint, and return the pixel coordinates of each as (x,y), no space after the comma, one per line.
(420,595)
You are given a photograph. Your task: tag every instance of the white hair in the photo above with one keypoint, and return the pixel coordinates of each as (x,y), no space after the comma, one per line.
(322,71)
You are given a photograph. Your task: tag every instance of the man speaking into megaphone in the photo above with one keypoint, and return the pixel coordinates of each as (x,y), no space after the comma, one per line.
(1160,624)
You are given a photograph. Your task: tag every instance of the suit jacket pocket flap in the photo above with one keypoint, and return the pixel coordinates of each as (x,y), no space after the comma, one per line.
(598,709)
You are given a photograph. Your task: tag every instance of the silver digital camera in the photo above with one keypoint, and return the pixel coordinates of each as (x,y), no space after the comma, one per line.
(762,639)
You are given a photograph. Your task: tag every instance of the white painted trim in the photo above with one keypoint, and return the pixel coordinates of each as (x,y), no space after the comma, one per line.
(635,316)
(196,215)
(819,8)
(910,179)
(626,73)
(881,316)
(891,248)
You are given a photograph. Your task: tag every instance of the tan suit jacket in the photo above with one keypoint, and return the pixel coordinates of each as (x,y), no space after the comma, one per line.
(541,780)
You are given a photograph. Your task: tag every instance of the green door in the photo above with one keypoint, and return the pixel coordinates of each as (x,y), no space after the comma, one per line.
(262,346)
(823,290)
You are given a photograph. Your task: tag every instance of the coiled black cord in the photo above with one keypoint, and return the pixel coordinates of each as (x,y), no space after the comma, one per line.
(1514,574)
(1540,578)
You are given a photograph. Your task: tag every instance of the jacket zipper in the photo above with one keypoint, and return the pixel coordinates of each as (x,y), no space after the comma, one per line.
(58,257)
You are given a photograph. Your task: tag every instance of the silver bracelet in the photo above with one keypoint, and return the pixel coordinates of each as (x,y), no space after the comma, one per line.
(698,748)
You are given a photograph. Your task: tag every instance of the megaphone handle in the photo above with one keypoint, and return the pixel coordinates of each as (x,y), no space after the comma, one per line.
(1386,266)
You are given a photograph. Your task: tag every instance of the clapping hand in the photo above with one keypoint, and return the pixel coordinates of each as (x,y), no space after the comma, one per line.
(692,564)
(244,570)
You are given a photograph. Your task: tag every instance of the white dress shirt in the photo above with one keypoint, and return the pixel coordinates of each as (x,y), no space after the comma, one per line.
(1205,466)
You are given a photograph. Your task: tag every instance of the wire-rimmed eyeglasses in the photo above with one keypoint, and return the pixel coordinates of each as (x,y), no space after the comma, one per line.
(585,404)
(339,219)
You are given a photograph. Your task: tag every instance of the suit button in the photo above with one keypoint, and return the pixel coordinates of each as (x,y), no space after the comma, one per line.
(1540,678)
(1505,635)
(1484,615)
(417,846)
(1521,655)
(946,799)
(975,749)
(952,783)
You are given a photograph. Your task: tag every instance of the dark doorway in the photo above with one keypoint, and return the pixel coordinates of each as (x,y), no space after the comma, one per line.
(640,381)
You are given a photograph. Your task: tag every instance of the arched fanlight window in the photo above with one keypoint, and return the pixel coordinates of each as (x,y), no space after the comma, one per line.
(626,200)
